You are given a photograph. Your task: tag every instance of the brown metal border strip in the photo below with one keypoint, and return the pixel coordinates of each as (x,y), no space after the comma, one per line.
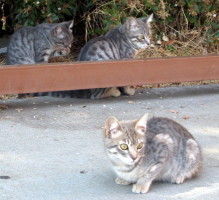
(83,75)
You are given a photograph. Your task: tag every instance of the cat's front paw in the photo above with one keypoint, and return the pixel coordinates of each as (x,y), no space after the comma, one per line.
(129,90)
(139,188)
(111,92)
(115,92)
(180,179)
(120,181)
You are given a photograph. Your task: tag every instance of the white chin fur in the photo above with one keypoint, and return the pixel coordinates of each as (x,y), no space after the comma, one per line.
(143,46)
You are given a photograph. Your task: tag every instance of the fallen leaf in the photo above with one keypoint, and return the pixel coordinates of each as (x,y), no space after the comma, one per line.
(173,111)
(8,117)
(19,109)
(168,42)
(130,102)
(186,117)
(2,106)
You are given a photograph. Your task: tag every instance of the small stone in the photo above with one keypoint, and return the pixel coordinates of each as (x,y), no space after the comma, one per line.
(158,42)
(83,171)
(165,38)
(5,177)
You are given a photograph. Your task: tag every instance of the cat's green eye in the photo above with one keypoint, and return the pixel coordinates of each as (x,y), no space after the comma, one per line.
(141,37)
(140,145)
(124,146)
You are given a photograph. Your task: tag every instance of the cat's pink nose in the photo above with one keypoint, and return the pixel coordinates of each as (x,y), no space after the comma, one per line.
(134,157)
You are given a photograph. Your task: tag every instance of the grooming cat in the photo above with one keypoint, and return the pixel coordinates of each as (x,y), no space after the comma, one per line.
(143,150)
(119,43)
(31,45)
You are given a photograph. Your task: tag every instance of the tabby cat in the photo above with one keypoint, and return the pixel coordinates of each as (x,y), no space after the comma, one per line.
(121,42)
(143,150)
(31,45)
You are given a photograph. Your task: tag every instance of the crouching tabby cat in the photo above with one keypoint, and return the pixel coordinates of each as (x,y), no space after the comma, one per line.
(119,43)
(143,150)
(30,45)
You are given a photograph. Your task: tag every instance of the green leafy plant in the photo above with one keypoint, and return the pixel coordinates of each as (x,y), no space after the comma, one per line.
(181,19)
(32,12)
(179,15)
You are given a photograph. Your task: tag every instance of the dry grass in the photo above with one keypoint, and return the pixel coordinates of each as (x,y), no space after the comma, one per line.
(2,59)
(187,44)
(175,48)
(162,85)
(11,96)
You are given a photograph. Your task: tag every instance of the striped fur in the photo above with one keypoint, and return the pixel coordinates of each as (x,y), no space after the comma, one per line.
(119,43)
(31,45)
(169,152)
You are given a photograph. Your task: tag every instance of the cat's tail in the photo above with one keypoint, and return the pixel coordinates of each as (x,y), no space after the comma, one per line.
(62,94)
(85,94)
(97,93)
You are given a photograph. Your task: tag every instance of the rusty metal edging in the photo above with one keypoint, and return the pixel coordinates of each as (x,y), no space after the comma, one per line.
(83,75)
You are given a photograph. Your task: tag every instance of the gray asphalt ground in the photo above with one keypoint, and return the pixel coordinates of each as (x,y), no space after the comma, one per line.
(52,148)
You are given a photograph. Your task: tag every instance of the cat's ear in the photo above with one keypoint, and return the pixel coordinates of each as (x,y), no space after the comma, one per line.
(58,32)
(148,20)
(131,24)
(70,24)
(112,128)
(141,125)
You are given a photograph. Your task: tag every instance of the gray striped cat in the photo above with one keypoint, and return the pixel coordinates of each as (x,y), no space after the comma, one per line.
(31,45)
(143,150)
(119,43)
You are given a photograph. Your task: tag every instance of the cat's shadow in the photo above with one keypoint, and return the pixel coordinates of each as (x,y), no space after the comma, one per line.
(176,92)
(106,184)
(141,95)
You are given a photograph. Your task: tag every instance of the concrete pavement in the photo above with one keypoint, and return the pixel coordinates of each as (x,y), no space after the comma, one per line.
(52,148)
